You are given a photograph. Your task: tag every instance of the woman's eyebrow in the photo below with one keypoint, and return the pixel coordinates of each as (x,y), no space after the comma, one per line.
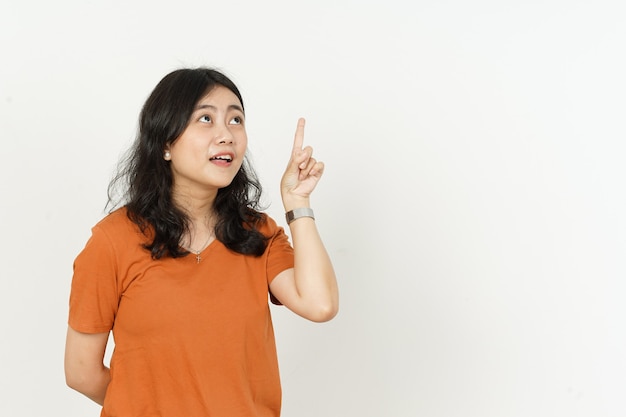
(212,107)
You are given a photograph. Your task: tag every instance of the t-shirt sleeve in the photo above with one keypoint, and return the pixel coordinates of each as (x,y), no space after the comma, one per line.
(279,254)
(94,295)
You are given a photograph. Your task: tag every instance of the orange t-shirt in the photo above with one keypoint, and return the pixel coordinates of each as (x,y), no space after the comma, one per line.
(191,339)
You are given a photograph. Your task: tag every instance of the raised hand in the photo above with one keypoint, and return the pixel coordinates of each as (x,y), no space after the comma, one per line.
(302,173)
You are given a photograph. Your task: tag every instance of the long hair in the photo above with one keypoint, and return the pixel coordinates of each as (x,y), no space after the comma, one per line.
(146,178)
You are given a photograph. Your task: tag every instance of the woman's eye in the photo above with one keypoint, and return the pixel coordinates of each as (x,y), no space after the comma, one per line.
(205,119)
(236,120)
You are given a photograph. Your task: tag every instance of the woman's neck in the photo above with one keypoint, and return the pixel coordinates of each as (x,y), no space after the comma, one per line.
(199,209)
(198,205)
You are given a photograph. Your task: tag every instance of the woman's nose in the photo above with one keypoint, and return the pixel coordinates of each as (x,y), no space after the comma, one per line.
(224,136)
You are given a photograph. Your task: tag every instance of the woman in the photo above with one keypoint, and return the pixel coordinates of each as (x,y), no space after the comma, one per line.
(181,273)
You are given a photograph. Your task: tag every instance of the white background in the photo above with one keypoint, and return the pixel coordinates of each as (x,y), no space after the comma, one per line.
(473,201)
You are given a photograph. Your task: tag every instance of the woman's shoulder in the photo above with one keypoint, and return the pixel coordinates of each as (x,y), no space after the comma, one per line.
(114,217)
(116,222)
(118,231)
(267,225)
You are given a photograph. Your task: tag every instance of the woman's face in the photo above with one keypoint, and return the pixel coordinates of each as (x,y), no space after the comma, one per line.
(210,151)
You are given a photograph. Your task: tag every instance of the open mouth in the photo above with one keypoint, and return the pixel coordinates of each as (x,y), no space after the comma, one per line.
(225,158)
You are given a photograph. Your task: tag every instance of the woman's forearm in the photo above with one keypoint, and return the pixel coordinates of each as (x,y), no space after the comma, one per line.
(313,271)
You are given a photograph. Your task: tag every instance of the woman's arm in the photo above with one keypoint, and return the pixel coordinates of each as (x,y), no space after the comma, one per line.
(310,288)
(84,367)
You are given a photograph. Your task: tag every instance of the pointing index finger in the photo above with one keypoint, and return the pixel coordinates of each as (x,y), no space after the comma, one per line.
(299,137)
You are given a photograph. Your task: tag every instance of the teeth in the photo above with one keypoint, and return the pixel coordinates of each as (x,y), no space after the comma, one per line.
(223,157)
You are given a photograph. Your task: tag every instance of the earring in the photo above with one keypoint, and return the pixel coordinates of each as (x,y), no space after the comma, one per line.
(167,155)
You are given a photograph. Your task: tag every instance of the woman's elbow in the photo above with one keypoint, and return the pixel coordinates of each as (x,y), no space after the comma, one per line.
(77,381)
(324,313)
(87,380)
(91,384)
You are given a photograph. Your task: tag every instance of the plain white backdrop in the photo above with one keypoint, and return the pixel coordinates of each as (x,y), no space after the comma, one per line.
(473,201)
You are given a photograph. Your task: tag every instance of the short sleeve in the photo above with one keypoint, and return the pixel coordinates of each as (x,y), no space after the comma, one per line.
(279,255)
(94,295)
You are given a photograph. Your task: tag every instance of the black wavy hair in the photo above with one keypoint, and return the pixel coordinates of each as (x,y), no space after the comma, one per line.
(147,180)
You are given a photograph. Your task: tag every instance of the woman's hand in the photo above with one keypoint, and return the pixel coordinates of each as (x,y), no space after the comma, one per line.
(302,173)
